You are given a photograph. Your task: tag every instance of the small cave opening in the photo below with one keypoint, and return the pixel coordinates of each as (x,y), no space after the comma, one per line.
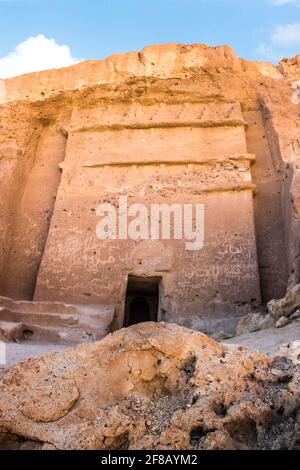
(142,300)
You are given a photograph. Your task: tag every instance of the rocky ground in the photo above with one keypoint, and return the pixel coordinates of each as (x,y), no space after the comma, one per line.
(267,341)
(153,386)
(270,340)
(159,386)
(20,352)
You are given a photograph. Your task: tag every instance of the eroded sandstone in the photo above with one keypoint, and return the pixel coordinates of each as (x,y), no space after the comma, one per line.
(174,123)
(154,386)
(170,124)
(287,306)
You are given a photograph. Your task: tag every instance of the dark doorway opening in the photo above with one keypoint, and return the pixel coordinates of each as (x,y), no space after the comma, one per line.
(142,300)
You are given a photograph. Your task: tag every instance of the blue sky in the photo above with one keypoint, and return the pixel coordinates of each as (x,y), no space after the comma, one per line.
(93,29)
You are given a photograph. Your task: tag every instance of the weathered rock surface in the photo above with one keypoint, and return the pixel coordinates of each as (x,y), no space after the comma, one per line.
(282,322)
(221,336)
(254,322)
(152,386)
(295,316)
(171,123)
(287,306)
(292,350)
(55,322)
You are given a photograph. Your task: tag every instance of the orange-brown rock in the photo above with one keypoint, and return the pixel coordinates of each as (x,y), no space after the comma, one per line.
(153,386)
(170,124)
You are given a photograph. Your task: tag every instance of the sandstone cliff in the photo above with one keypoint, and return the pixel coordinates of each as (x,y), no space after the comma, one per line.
(194,119)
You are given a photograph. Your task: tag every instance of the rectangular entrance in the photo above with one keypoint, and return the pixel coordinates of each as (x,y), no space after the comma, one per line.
(142,300)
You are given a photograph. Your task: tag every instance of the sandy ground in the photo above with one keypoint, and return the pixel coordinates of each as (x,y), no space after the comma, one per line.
(267,341)
(19,352)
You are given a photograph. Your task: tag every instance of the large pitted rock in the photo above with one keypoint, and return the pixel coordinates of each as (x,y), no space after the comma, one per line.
(152,386)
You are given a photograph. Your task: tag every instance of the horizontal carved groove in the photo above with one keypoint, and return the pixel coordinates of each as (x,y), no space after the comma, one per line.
(212,161)
(156,125)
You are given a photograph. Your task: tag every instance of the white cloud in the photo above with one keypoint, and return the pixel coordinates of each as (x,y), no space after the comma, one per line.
(284,2)
(265,52)
(287,35)
(283,41)
(36,54)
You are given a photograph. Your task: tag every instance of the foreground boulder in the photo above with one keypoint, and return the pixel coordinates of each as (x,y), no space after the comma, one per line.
(152,386)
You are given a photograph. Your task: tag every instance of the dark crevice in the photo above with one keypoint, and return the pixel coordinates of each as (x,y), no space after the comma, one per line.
(190,366)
